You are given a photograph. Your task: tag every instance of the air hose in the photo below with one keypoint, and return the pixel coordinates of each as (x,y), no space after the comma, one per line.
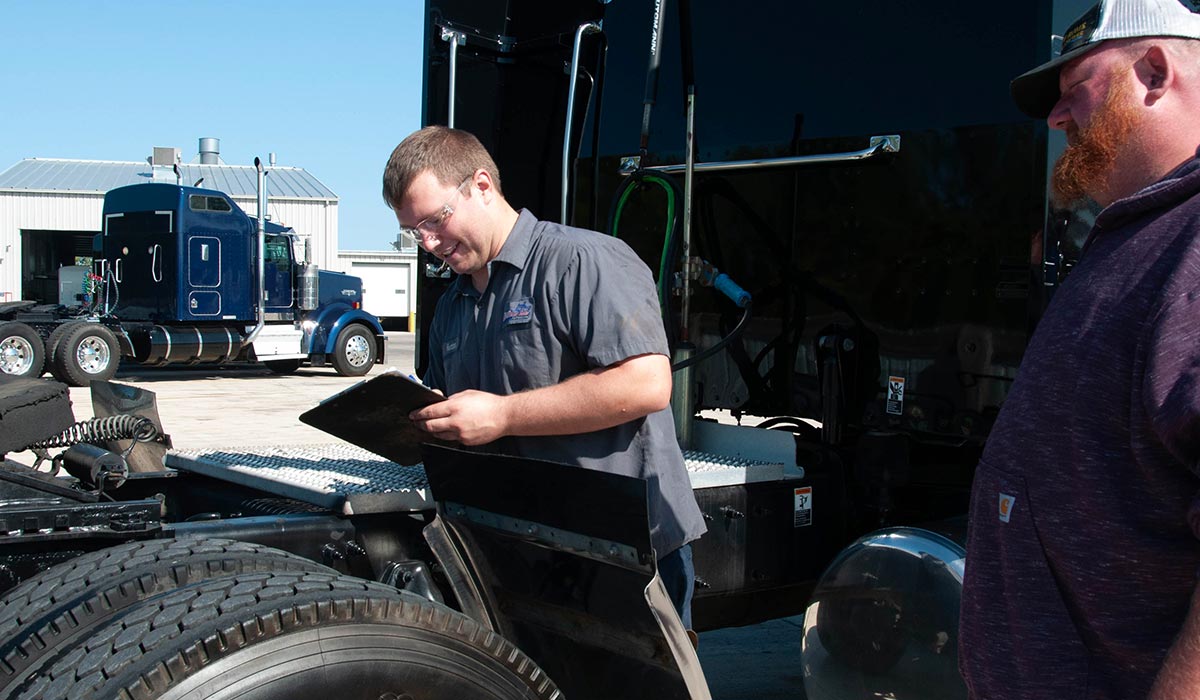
(95,430)
(671,224)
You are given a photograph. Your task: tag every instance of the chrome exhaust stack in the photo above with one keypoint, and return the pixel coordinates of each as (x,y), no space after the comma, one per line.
(262,247)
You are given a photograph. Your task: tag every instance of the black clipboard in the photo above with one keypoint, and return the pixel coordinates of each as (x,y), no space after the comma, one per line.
(373,415)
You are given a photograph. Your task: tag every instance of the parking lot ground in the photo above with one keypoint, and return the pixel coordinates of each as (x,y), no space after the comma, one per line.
(759,662)
(240,406)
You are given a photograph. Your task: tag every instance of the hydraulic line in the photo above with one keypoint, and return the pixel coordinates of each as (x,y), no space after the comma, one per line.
(718,346)
(670,246)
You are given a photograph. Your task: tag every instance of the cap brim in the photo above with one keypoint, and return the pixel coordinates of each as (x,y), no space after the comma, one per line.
(1036,92)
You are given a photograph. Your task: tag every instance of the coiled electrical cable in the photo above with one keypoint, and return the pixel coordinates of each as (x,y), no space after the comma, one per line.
(96,430)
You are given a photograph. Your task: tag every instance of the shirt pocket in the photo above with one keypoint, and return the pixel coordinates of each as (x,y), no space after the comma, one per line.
(1018,638)
(457,375)
(525,357)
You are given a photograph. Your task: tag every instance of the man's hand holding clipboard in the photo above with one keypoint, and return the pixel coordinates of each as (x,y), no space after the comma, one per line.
(374,415)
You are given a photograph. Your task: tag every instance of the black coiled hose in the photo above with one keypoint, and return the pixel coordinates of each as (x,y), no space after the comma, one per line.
(97,430)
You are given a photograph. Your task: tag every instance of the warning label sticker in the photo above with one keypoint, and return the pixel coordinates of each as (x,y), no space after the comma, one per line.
(803,515)
(895,396)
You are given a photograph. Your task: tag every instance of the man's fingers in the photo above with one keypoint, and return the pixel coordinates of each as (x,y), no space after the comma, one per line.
(437,410)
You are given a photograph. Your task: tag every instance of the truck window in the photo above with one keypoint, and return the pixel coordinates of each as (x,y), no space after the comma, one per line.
(277,252)
(202,202)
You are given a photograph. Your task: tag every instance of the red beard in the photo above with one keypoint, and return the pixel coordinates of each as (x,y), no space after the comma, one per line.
(1085,166)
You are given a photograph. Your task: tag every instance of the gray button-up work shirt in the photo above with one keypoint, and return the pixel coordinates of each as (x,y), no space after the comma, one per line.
(561,301)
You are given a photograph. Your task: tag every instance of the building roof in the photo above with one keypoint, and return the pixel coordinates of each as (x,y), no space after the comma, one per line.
(63,176)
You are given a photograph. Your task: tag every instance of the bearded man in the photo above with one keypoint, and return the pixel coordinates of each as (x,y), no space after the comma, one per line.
(1084,538)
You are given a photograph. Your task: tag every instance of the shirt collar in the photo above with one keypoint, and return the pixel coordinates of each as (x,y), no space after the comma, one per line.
(1179,184)
(515,252)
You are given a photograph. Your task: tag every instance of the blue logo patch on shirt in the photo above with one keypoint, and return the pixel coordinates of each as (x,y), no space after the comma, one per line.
(519,311)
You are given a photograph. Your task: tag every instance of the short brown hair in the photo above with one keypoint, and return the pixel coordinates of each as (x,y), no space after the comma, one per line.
(451,155)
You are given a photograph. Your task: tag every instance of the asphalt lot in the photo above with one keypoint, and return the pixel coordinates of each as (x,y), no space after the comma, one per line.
(242,406)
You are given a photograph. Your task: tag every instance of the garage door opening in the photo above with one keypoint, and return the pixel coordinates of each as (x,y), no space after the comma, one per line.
(43,252)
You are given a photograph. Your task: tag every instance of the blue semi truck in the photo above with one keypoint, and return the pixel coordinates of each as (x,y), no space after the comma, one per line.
(177,278)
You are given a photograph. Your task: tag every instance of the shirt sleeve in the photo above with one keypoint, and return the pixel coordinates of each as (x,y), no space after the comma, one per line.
(1171,387)
(1172,379)
(609,305)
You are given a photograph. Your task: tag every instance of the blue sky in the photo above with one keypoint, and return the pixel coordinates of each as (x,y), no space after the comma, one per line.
(329,87)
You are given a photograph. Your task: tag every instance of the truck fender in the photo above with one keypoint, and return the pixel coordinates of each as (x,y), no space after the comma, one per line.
(330,322)
(576,582)
(884,615)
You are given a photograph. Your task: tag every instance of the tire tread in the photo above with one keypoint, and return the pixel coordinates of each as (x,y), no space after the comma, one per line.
(40,617)
(175,634)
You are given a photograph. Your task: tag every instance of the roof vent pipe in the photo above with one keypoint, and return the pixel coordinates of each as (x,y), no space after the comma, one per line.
(210,151)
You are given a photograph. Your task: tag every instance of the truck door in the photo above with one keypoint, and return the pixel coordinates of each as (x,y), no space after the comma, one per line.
(204,275)
(277,272)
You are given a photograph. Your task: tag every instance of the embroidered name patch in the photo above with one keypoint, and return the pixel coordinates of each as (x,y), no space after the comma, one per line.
(520,311)
(1006,506)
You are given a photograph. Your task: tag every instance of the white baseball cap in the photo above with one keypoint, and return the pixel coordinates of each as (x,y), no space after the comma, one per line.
(1036,92)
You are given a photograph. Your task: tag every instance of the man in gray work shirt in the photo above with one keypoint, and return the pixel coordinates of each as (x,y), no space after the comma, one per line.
(550,343)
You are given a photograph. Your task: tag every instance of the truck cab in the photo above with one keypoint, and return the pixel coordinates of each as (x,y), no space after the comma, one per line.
(178,278)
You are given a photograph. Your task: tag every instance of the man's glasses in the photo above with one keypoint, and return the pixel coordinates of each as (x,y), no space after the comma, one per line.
(429,227)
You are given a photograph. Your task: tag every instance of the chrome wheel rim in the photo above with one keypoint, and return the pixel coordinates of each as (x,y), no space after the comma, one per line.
(357,351)
(16,355)
(92,354)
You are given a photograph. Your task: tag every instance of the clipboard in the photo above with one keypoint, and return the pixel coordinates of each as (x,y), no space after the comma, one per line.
(373,414)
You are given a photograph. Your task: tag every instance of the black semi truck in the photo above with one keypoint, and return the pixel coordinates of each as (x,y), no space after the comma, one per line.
(849,226)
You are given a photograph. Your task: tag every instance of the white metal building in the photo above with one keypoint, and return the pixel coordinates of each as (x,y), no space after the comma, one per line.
(51,208)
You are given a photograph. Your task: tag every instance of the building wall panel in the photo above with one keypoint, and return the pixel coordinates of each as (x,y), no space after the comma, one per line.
(49,212)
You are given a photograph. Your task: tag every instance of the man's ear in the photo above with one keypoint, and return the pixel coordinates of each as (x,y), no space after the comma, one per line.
(1155,72)
(483,182)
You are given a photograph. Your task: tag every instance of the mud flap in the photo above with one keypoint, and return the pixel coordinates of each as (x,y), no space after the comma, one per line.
(112,399)
(559,560)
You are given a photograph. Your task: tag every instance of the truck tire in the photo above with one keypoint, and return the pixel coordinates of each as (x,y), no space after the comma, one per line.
(22,353)
(355,351)
(282,366)
(87,352)
(48,614)
(292,635)
(52,342)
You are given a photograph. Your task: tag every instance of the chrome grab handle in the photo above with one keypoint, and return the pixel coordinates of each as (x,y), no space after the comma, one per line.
(455,39)
(117,268)
(156,263)
(879,144)
(580,31)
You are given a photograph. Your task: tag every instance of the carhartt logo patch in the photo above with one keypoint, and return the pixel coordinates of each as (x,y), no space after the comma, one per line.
(520,311)
(1006,505)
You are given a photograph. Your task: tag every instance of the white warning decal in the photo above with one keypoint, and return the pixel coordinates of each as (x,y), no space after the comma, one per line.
(895,396)
(803,515)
